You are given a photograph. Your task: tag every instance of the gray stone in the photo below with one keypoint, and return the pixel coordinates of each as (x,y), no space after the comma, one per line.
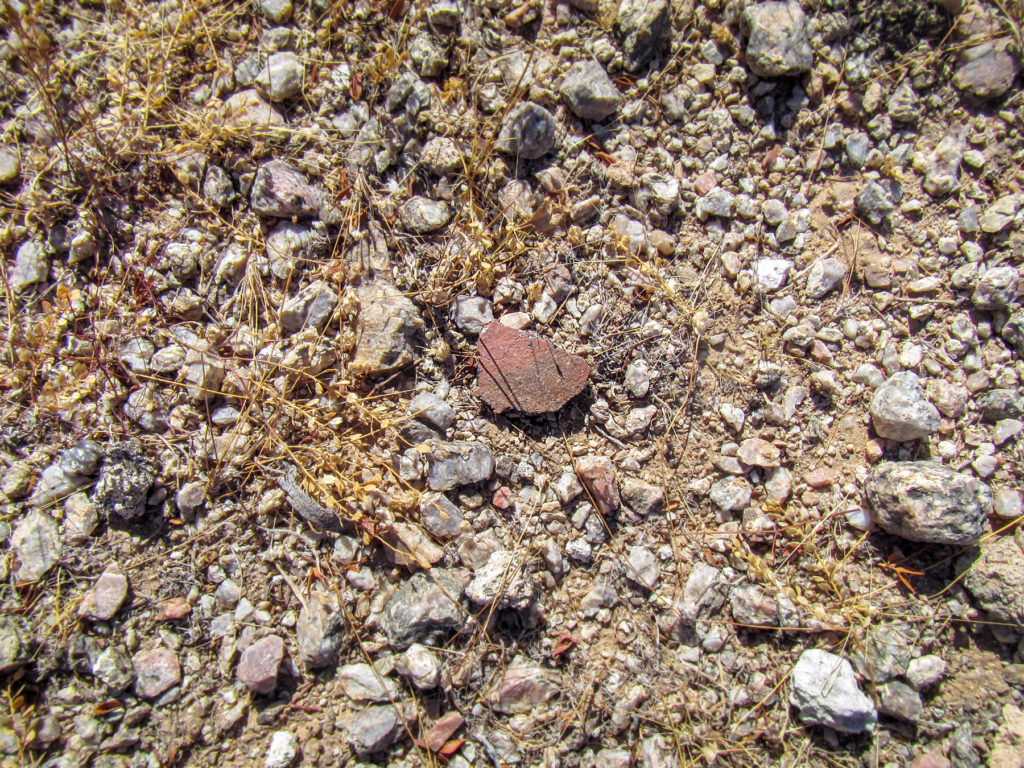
(996,289)
(309,308)
(422,215)
(426,608)
(125,479)
(409,94)
(280,190)
(439,516)
(589,92)
(996,404)
(388,323)
(217,187)
(731,494)
(717,202)
(17,480)
(642,26)
(824,690)
(113,667)
(987,70)
(923,501)
(993,578)
(885,651)
(567,487)
(877,199)
(320,631)
(825,276)
(14,652)
(283,744)
(31,266)
(453,464)
(703,594)
(36,546)
(473,314)
(900,411)
(641,497)
(1007,503)
(942,168)
(504,582)
(899,700)
(528,133)
(432,410)
(753,607)
(156,672)
(292,243)
(1000,214)
(777,39)
(281,78)
(373,729)
(926,671)
(276,11)
(361,682)
(642,567)
(903,104)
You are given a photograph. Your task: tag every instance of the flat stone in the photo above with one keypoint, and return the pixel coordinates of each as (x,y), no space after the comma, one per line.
(259,665)
(309,308)
(924,501)
(442,730)
(758,453)
(439,516)
(106,595)
(36,546)
(825,276)
(361,682)
(777,39)
(524,687)
(386,330)
(432,410)
(156,671)
(31,266)
(248,111)
(521,371)
(641,497)
(598,475)
(731,494)
(453,464)
(999,215)
(824,690)
(282,76)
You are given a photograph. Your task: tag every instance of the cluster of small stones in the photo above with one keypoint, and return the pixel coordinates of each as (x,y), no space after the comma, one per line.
(607,499)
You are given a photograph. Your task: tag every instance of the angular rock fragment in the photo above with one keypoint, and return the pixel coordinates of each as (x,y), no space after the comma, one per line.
(641,25)
(320,632)
(124,481)
(502,583)
(523,372)
(106,595)
(824,690)
(259,664)
(923,501)
(156,671)
(373,729)
(422,215)
(598,475)
(589,92)
(247,111)
(388,323)
(36,546)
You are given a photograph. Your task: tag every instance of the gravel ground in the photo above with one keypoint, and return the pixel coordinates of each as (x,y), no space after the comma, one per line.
(579,384)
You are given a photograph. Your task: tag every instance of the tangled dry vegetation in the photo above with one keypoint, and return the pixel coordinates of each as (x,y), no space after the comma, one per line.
(242,236)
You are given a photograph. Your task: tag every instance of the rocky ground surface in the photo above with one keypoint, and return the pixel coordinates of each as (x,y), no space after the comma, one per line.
(495,383)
